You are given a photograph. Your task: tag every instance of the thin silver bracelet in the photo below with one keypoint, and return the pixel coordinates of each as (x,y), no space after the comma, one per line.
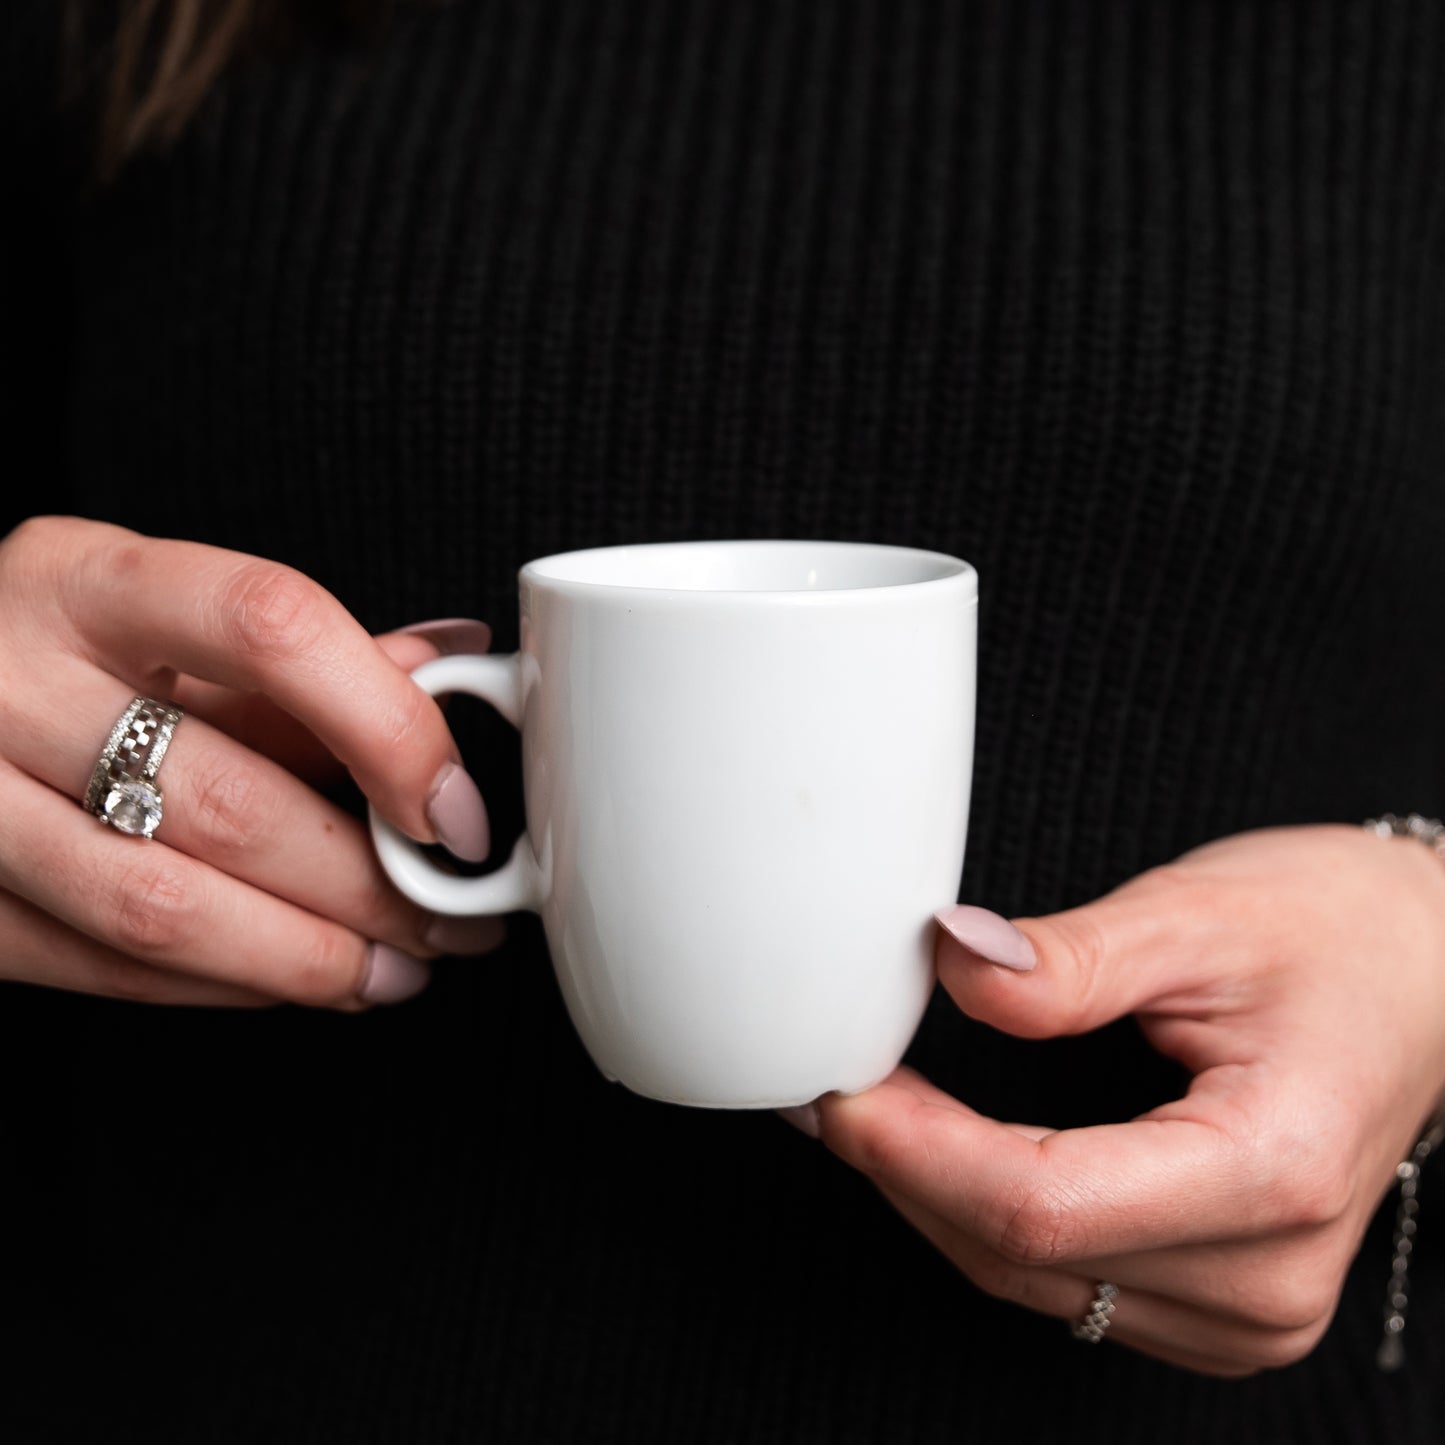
(1391,1354)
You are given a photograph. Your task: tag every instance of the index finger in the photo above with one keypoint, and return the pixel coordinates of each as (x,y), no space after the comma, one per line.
(260,626)
(1185,1173)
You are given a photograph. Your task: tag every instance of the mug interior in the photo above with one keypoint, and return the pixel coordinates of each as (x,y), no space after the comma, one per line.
(748,566)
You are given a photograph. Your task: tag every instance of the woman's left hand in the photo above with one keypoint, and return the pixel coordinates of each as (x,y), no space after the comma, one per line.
(1299,974)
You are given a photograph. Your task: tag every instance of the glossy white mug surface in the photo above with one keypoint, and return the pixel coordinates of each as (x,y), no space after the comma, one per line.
(746,768)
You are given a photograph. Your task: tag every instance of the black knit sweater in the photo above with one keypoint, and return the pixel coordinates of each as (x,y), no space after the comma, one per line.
(1140,308)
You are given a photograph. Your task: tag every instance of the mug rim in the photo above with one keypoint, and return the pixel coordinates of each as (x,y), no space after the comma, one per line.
(952,571)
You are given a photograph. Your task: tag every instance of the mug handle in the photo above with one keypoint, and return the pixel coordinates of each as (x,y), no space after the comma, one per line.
(519,883)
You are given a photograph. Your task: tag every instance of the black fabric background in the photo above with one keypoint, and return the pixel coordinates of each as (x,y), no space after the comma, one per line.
(1137,307)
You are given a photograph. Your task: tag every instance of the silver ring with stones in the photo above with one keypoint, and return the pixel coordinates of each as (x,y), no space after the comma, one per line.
(1100,1314)
(123,791)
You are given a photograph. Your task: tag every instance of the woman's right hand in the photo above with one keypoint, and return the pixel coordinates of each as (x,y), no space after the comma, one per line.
(255,889)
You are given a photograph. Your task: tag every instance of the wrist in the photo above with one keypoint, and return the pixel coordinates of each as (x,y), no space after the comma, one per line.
(1427,867)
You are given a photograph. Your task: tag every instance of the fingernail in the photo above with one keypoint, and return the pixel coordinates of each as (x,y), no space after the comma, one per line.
(455,809)
(453,634)
(392,975)
(804,1117)
(464,935)
(989,936)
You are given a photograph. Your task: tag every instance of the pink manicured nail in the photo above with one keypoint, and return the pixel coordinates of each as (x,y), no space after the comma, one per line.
(392,975)
(453,634)
(804,1117)
(989,936)
(464,936)
(455,809)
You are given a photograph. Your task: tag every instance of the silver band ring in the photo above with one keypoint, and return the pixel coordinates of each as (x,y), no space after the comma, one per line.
(122,789)
(1095,1324)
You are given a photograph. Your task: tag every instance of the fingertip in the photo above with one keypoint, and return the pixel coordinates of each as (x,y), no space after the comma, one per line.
(458,814)
(986,937)
(392,976)
(1015,998)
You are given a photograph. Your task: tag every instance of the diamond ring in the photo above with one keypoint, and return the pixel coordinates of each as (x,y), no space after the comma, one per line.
(123,791)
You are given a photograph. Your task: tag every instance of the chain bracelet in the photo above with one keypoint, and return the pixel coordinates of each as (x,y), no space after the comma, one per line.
(1430,831)
(1391,1354)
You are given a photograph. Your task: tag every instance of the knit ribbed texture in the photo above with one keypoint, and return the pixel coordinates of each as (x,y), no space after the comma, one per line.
(1140,308)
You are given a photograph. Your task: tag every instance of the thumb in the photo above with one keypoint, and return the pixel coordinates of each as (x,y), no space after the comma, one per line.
(1074,971)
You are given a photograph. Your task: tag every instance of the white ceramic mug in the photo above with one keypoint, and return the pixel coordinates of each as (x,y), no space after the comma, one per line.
(746,768)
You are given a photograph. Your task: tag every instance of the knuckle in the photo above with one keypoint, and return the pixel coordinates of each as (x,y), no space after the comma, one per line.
(1296,1174)
(152,909)
(1323,1194)
(1310,1190)
(229,808)
(1295,1294)
(1301,1304)
(1044,1229)
(271,611)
